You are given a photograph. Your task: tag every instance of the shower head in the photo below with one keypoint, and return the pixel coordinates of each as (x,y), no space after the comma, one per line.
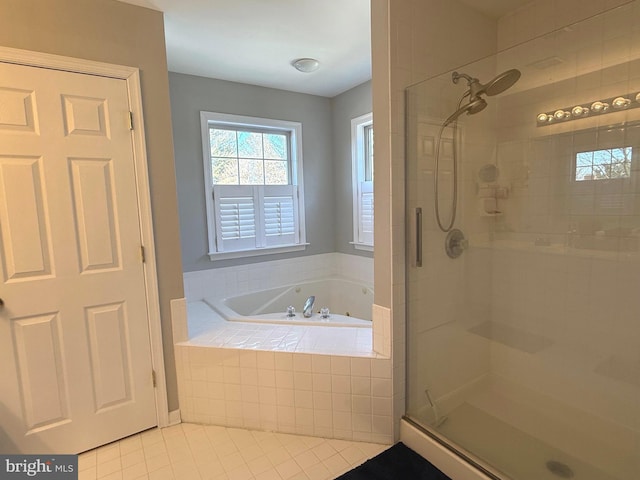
(497,85)
(474,106)
(502,82)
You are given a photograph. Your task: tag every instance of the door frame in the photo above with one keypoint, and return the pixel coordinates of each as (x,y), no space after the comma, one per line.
(131,75)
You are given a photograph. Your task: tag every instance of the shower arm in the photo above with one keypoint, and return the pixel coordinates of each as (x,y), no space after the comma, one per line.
(455,77)
(475,88)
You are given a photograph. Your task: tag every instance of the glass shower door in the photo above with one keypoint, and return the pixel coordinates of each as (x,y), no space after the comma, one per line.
(524,351)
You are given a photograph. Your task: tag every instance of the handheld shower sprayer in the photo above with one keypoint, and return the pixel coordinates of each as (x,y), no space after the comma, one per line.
(476,103)
(474,106)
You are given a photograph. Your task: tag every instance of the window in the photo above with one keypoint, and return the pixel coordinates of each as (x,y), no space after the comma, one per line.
(610,163)
(362,153)
(253,183)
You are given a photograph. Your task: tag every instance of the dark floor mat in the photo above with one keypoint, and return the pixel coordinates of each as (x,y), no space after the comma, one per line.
(396,463)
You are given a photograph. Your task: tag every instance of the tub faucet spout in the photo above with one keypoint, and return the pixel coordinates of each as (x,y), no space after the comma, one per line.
(307,310)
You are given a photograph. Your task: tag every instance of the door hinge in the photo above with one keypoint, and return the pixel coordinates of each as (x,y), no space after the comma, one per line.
(142,254)
(153,378)
(130,120)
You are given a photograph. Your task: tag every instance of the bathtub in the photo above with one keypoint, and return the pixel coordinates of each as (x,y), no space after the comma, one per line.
(349,303)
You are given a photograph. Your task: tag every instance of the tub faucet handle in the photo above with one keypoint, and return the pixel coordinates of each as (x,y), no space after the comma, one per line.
(291,311)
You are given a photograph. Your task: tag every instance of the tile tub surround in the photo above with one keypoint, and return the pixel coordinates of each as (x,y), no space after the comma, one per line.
(310,380)
(330,396)
(196,322)
(237,280)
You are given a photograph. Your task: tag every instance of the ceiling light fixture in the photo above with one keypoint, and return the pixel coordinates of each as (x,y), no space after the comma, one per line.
(598,107)
(306,65)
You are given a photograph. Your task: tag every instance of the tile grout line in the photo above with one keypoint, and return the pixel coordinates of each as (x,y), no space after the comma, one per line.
(269,455)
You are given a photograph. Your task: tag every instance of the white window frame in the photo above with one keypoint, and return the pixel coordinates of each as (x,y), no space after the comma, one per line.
(262,247)
(361,240)
(593,151)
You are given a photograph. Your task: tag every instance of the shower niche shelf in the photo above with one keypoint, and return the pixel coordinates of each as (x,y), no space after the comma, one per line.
(488,195)
(496,213)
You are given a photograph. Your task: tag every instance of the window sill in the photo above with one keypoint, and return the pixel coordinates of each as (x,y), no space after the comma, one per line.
(256,252)
(362,246)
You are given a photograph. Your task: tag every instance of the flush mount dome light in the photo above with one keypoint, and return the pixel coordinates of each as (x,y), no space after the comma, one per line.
(306,65)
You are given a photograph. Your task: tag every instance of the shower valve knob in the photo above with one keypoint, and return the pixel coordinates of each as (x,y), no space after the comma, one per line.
(455,243)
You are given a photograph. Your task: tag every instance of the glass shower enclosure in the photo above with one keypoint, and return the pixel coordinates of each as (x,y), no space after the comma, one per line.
(524,324)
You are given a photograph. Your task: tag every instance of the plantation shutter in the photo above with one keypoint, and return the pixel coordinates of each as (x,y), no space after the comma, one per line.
(365,213)
(280,214)
(235,217)
(255,216)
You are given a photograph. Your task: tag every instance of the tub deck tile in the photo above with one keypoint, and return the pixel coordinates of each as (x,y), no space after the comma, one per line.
(207,328)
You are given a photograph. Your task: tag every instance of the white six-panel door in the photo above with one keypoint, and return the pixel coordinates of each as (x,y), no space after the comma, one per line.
(75,359)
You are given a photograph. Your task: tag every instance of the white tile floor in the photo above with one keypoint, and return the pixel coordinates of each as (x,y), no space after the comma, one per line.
(204,452)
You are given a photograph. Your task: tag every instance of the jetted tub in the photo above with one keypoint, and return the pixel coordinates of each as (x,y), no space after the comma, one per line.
(349,303)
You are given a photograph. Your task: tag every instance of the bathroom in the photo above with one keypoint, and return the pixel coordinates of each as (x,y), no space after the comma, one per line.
(518,216)
(515,274)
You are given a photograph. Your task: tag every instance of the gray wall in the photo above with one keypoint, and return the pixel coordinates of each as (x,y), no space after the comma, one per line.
(190,95)
(115,32)
(350,104)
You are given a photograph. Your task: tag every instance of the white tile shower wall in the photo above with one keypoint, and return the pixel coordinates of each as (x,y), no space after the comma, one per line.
(576,301)
(229,281)
(543,16)
(588,345)
(404,33)
(320,395)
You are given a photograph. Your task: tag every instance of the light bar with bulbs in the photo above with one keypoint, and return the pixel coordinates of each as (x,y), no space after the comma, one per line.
(599,107)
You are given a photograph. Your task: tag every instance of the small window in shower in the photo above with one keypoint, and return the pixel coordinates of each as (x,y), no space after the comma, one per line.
(607,164)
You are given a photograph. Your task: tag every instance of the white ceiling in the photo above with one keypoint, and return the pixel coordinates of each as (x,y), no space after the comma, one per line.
(255,41)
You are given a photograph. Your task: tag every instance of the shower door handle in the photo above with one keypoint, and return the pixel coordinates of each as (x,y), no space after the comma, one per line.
(418,237)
